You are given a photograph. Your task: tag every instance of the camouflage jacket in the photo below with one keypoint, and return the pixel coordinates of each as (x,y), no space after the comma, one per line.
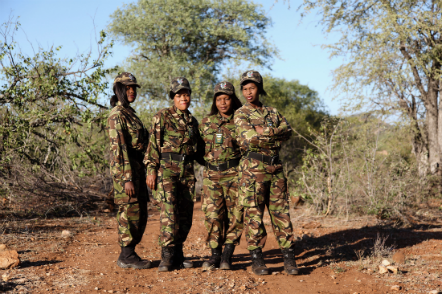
(276,129)
(176,132)
(224,149)
(128,142)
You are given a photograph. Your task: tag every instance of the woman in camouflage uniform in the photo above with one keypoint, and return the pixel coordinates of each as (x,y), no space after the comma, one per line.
(175,143)
(128,142)
(220,185)
(261,131)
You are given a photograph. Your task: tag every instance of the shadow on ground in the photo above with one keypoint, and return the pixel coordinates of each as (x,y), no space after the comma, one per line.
(27,263)
(343,245)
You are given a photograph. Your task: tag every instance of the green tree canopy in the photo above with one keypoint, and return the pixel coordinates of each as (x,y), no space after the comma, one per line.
(192,38)
(301,106)
(297,102)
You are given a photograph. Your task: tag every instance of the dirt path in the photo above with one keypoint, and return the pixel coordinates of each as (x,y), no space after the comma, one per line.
(327,256)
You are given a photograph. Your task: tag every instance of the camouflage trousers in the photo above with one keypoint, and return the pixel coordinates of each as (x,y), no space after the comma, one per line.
(132,219)
(132,211)
(223,220)
(264,185)
(175,194)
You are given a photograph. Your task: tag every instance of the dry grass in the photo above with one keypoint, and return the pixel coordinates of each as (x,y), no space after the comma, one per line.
(380,249)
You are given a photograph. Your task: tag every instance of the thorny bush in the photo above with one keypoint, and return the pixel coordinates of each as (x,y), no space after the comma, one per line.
(52,126)
(359,164)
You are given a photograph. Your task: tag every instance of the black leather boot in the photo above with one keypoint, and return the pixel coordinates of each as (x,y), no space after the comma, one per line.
(166,259)
(214,260)
(290,266)
(226,258)
(258,264)
(179,259)
(129,259)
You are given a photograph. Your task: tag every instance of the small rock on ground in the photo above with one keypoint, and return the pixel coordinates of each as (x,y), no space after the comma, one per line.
(66,233)
(396,288)
(383,269)
(9,259)
(399,257)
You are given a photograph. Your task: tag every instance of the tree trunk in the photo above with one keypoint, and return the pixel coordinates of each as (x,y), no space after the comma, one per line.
(420,139)
(432,129)
(439,129)
(421,153)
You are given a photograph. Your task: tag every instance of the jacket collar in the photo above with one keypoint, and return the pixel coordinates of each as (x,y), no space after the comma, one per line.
(179,115)
(251,108)
(220,119)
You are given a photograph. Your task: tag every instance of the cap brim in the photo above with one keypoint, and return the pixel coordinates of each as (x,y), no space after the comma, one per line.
(249,80)
(180,88)
(224,92)
(131,84)
(172,93)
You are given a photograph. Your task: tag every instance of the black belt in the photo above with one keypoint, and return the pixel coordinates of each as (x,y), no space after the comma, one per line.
(271,160)
(223,166)
(175,156)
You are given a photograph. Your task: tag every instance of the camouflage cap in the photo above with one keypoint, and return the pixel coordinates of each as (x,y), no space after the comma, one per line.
(177,84)
(127,79)
(224,87)
(251,75)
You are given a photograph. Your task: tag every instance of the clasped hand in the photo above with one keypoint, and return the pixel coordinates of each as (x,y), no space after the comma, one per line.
(259,130)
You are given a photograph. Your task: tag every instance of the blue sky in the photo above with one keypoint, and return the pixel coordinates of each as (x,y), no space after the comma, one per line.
(71,24)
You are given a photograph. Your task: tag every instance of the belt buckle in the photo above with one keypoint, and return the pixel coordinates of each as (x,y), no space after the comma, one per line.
(217,167)
(183,157)
(274,158)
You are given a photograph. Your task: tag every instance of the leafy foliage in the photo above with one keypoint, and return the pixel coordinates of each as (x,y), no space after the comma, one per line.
(392,52)
(302,108)
(191,38)
(356,166)
(51,123)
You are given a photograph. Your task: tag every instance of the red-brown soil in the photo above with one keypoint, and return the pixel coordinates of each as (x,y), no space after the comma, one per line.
(335,256)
